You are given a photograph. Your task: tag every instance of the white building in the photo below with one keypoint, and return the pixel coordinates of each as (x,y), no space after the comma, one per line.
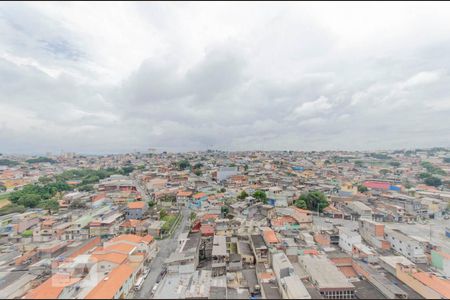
(289,283)
(347,238)
(406,245)
(361,209)
(226,172)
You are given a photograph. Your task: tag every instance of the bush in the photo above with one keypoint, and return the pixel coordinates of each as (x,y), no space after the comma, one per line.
(433,181)
(314,200)
(27,233)
(12,208)
(362,188)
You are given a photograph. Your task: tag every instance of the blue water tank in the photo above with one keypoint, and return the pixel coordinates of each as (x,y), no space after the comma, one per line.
(394,188)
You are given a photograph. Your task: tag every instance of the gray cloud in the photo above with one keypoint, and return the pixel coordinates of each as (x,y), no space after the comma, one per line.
(287,80)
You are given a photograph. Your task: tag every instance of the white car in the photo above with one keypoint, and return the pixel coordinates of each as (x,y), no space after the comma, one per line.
(154,289)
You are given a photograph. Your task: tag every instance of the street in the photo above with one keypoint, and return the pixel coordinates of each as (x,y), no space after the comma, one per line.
(166,247)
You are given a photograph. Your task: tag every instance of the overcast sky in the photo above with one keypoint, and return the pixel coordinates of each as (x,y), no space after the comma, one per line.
(119,77)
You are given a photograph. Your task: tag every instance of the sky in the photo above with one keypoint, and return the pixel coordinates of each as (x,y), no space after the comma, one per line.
(120,77)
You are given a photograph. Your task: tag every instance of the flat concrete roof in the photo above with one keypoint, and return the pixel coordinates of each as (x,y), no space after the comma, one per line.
(324,273)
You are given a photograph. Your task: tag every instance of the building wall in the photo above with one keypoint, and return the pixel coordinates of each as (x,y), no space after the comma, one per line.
(346,241)
(407,246)
(440,262)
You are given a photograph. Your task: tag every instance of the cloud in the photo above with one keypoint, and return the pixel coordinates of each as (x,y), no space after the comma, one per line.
(422,78)
(82,77)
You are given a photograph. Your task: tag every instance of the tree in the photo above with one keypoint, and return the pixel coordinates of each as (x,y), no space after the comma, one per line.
(242,195)
(395,164)
(362,188)
(162,214)
(246,167)
(223,190)
(77,204)
(198,172)
(261,196)
(224,211)
(300,203)
(424,175)
(50,205)
(183,164)
(433,181)
(447,160)
(359,163)
(41,159)
(198,165)
(315,200)
(127,169)
(384,171)
(151,203)
(29,200)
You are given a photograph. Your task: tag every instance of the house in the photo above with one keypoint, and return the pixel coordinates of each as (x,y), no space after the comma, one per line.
(406,245)
(330,282)
(220,256)
(198,199)
(360,210)
(260,250)
(136,210)
(426,284)
(373,233)
(52,288)
(224,173)
(184,197)
(441,261)
(289,283)
(347,238)
(116,285)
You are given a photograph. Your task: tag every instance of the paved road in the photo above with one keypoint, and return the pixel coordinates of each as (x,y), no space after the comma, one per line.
(166,247)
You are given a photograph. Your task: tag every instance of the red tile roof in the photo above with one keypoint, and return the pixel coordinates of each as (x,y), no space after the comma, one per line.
(136,205)
(52,287)
(108,287)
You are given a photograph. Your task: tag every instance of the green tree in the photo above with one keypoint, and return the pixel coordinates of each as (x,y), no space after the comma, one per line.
(242,195)
(384,171)
(224,210)
(223,190)
(300,203)
(151,203)
(315,200)
(8,162)
(261,196)
(183,164)
(424,175)
(433,181)
(362,188)
(77,204)
(29,200)
(395,164)
(359,163)
(446,160)
(198,165)
(246,167)
(162,213)
(198,172)
(27,233)
(41,159)
(126,170)
(50,205)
